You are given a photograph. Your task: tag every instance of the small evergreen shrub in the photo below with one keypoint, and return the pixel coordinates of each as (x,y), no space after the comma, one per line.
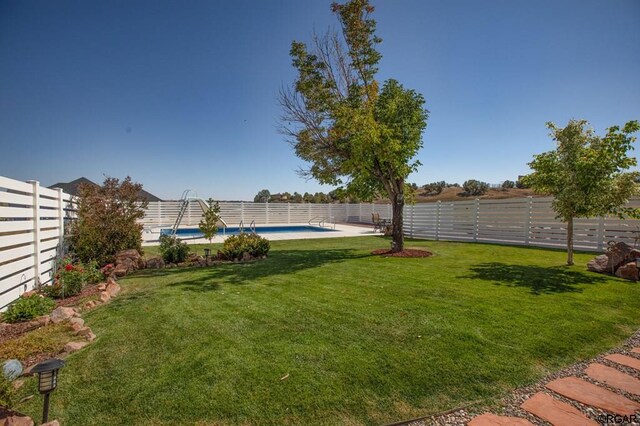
(236,245)
(172,249)
(28,308)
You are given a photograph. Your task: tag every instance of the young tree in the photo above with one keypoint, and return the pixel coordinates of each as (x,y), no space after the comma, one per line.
(586,173)
(108,220)
(209,223)
(352,131)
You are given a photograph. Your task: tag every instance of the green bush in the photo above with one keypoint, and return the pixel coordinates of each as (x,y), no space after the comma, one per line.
(475,187)
(508,184)
(236,245)
(28,308)
(71,278)
(434,188)
(8,393)
(172,249)
(108,220)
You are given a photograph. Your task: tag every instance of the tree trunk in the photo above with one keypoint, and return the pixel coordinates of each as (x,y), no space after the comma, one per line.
(397,201)
(570,242)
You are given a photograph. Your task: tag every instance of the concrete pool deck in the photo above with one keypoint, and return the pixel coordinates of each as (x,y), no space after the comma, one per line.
(150,238)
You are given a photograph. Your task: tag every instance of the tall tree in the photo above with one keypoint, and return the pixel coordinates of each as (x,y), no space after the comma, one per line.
(586,174)
(352,132)
(262,196)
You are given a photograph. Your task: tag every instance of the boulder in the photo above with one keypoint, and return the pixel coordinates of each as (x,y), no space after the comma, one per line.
(620,254)
(628,271)
(113,288)
(127,261)
(90,336)
(102,287)
(16,420)
(77,321)
(62,314)
(128,254)
(74,346)
(155,263)
(84,332)
(104,297)
(599,264)
(121,271)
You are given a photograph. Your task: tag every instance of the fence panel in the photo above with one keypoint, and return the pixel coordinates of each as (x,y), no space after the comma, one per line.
(32,221)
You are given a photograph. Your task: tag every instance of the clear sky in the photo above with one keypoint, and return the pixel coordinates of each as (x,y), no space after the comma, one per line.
(183,94)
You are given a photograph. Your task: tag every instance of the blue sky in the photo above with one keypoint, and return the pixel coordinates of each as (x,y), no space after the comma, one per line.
(183,94)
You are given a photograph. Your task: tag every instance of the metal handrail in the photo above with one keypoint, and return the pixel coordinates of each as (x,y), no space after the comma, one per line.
(252,226)
(320,221)
(224,226)
(241,226)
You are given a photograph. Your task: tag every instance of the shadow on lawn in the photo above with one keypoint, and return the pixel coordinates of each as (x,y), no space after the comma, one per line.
(540,280)
(281,262)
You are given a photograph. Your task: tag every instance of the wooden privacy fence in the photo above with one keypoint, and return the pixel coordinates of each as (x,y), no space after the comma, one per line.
(32,220)
(520,221)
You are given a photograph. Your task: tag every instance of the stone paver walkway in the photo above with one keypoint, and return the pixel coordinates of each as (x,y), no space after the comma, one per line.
(568,401)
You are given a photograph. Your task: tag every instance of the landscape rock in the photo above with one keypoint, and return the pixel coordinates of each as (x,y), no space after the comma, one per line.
(16,420)
(90,336)
(62,314)
(74,346)
(102,286)
(599,264)
(628,271)
(84,331)
(246,257)
(620,254)
(51,423)
(155,263)
(127,261)
(113,288)
(104,297)
(76,327)
(29,293)
(77,321)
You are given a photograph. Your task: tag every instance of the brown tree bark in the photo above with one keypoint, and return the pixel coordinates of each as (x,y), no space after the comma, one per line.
(570,242)
(397,201)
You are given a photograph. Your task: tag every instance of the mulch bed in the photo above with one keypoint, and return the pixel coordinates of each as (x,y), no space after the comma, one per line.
(73,300)
(403,253)
(11,331)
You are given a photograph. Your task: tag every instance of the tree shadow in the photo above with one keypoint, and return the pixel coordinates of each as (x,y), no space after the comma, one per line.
(540,280)
(281,262)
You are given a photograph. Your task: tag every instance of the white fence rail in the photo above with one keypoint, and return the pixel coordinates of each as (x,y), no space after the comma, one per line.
(31,230)
(520,221)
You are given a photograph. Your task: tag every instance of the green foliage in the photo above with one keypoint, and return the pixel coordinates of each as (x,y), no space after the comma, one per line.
(108,220)
(172,249)
(434,188)
(236,245)
(71,278)
(352,131)
(586,174)
(475,187)
(262,196)
(8,393)
(521,183)
(508,184)
(28,308)
(209,223)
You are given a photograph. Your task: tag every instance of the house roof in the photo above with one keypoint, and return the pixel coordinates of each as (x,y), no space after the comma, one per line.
(72,188)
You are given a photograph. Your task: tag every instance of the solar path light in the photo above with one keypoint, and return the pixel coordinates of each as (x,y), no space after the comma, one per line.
(47,381)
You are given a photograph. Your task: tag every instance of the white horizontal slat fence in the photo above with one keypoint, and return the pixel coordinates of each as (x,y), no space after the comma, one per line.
(520,221)
(32,221)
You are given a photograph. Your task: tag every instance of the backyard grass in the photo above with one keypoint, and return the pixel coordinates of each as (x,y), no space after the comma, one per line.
(322,332)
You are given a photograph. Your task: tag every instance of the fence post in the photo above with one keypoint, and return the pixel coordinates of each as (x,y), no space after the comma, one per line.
(60,216)
(159,204)
(527,226)
(242,211)
(308,212)
(36,230)
(347,213)
(266,211)
(600,233)
(359,212)
(438,203)
(329,213)
(288,213)
(476,217)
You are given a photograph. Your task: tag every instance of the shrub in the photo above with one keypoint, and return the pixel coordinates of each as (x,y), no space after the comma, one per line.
(108,220)
(172,249)
(209,223)
(520,184)
(508,184)
(475,187)
(236,245)
(70,278)
(28,308)
(434,188)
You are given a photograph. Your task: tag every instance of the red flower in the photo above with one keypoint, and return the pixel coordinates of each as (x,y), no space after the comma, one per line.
(69,267)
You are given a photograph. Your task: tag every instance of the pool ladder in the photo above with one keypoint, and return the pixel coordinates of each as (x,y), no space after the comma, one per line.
(252,226)
(321,221)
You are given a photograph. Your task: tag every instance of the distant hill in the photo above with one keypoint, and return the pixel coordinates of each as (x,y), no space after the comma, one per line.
(457,194)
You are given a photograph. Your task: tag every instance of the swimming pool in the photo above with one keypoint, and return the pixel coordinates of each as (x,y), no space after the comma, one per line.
(195,232)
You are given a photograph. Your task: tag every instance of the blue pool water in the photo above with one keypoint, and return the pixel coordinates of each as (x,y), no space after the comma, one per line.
(195,232)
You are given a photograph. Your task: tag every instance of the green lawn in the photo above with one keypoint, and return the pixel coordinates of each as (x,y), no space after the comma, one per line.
(361,339)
